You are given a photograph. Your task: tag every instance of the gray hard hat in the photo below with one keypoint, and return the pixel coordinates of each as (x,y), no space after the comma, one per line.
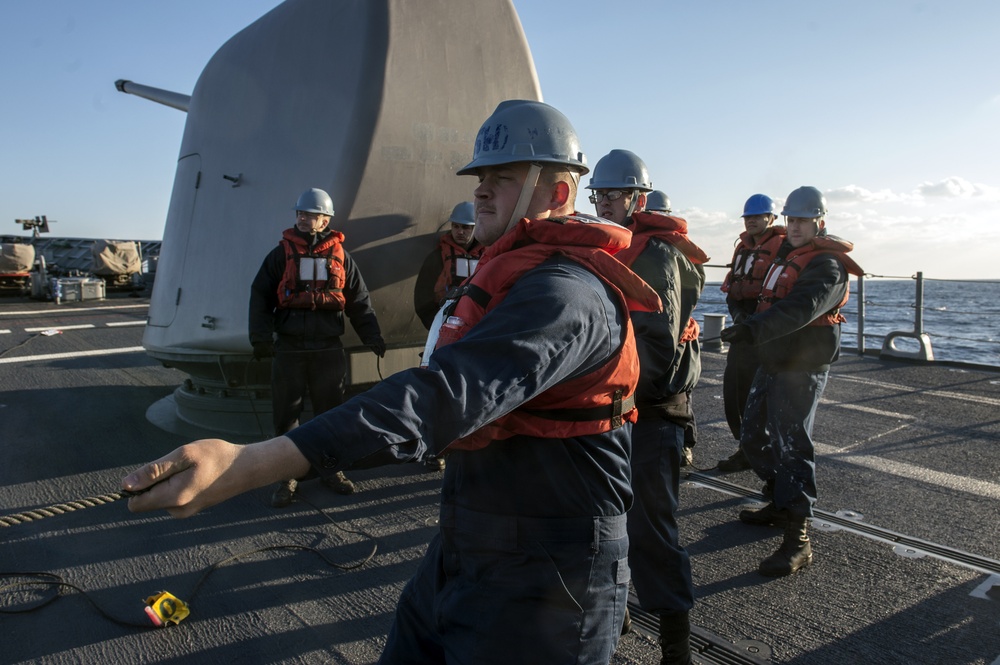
(464,213)
(621,169)
(805,202)
(526,131)
(315,200)
(657,201)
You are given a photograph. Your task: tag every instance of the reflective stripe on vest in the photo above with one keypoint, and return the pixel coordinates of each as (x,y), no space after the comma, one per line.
(783,273)
(314,277)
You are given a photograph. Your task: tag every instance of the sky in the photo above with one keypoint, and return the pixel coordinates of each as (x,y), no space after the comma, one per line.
(891,108)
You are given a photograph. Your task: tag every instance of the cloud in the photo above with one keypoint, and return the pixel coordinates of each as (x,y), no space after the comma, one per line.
(946,228)
(956,187)
(853,194)
(993,103)
(953,187)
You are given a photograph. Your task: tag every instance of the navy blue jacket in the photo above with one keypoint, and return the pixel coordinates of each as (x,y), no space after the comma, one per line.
(557,322)
(667,368)
(785,341)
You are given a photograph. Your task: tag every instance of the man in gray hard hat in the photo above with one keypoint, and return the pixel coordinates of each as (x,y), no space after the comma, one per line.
(442,272)
(448,265)
(530,386)
(669,368)
(796,330)
(298,300)
(657,201)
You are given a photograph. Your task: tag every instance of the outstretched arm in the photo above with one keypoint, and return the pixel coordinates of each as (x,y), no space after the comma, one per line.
(206,472)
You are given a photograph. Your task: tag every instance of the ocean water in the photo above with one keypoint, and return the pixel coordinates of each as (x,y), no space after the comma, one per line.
(962,318)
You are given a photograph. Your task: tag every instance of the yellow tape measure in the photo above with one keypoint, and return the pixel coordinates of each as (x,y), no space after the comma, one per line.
(164,608)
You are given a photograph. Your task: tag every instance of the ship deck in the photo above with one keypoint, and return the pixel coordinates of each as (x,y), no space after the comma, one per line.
(907,554)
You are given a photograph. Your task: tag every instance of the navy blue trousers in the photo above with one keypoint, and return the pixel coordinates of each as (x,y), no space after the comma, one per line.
(661,568)
(777,435)
(741,367)
(503,590)
(294,374)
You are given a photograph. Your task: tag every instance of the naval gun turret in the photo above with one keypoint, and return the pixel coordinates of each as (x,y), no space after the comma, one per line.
(376,102)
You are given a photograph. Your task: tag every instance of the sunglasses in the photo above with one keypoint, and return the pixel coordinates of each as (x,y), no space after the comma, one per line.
(611,195)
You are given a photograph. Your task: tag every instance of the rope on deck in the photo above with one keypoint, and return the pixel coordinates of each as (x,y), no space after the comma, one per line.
(59,509)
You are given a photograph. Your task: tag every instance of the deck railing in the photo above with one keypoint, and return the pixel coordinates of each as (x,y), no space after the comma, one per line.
(949,318)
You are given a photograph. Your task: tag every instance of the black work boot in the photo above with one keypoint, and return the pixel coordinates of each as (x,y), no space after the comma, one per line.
(434,463)
(795,551)
(284,493)
(735,462)
(675,638)
(339,484)
(769,515)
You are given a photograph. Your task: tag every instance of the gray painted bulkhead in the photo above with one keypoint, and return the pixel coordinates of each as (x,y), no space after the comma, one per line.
(377,102)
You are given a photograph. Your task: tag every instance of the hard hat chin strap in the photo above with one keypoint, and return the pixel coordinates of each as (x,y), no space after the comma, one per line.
(527,191)
(633,203)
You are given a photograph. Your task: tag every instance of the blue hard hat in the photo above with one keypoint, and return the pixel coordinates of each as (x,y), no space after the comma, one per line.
(758,204)
(526,131)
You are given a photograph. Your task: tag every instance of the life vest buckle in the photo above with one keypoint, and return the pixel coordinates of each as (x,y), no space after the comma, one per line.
(616,409)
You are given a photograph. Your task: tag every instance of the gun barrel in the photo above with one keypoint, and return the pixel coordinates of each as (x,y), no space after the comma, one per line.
(172,99)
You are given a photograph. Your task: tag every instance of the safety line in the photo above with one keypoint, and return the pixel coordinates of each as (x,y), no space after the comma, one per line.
(74,354)
(831,521)
(868,410)
(952,481)
(80,326)
(979,399)
(45,312)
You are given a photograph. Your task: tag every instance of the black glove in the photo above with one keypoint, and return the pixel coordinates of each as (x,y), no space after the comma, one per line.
(263,350)
(738,333)
(377,345)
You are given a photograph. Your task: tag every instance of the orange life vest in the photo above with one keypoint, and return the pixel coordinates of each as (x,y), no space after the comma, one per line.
(314,277)
(750,263)
(673,230)
(459,263)
(595,403)
(784,272)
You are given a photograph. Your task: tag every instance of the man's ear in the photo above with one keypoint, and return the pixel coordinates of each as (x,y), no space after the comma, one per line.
(640,203)
(559,195)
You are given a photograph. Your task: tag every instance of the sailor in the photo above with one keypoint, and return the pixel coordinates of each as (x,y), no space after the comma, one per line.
(670,365)
(657,201)
(531,386)
(297,304)
(755,249)
(796,330)
(451,262)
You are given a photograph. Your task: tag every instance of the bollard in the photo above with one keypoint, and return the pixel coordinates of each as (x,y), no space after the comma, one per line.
(923,350)
(923,340)
(712,326)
